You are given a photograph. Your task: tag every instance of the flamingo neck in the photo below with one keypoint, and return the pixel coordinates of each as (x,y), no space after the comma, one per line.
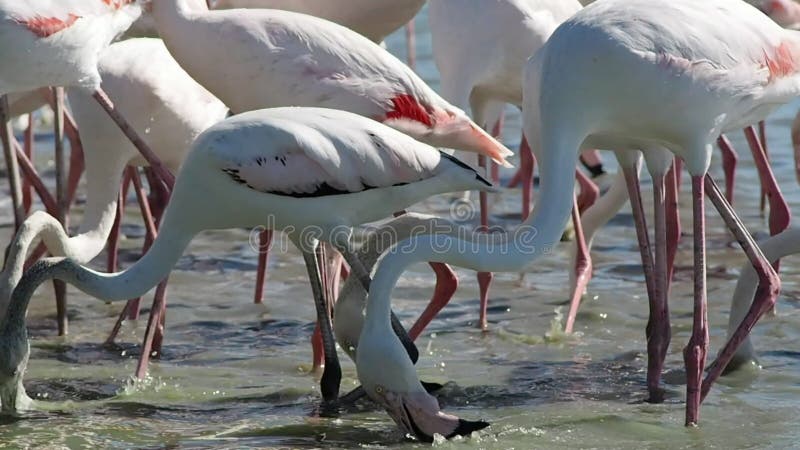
(82,248)
(133,282)
(510,252)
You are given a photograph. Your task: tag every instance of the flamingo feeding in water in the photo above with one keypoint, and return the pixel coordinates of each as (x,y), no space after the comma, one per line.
(313,172)
(308,61)
(156,95)
(710,67)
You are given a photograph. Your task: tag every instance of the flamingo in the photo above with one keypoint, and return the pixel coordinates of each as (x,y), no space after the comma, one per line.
(709,67)
(308,61)
(156,95)
(313,172)
(58,44)
(481,66)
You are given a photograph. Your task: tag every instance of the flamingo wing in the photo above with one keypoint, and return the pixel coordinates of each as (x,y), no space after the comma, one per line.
(310,152)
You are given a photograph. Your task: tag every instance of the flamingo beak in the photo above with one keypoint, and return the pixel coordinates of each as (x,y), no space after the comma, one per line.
(418,414)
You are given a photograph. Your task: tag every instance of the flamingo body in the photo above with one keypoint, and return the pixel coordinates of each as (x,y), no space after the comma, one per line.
(57,43)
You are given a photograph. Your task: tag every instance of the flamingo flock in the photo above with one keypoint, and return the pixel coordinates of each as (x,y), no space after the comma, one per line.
(289,116)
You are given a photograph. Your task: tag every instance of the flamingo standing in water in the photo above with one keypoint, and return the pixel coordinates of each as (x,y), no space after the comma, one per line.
(311,171)
(709,67)
(308,61)
(155,94)
(480,50)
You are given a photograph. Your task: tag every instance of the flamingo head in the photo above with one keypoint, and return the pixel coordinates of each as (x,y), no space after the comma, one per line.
(783,12)
(389,378)
(14,353)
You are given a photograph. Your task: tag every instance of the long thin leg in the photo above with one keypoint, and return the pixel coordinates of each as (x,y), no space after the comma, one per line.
(658,327)
(264,243)
(583,267)
(694,355)
(12,168)
(446,285)
(485,278)
(153,323)
(59,286)
(779,214)
(332,375)
(673,220)
(411,45)
(762,137)
(27,188)
(76,163)
(113,261)
(589,192)
(729,161)
(166,176)
(769,285)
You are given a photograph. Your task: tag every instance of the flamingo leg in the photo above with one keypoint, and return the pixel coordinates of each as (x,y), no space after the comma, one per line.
(411,45)
(695,352)
(673,220)
(332,375)
(446,285)
(779,214)
(527,164)
(497,131)
(317,350)
(762,135)
(76,163)
(113,259)
(592,161)
(59,286)
(12,167)
(154,322)
(583,267)
(589,192)
(766,295)
(163,173)
(264,244)
(484,278)
(27,188)
(729,160)
(658,328)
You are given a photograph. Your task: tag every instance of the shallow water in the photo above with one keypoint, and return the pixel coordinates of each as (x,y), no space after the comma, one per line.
(236,375)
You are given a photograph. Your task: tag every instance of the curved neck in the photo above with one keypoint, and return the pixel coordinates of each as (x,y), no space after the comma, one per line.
(133,282)
(82,248)
(510,252)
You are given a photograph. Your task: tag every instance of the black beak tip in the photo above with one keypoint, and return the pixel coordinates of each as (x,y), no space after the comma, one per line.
(466,427)
(430,387)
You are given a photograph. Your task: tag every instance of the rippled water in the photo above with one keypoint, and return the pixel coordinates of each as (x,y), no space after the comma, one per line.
(237,375)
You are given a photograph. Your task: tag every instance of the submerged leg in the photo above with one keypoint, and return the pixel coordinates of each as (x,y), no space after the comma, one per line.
(485,278)
(768,287)
(154,322)
(694,354)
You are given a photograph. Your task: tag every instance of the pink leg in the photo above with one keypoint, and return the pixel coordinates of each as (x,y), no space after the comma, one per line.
(593,162)
(673,220)
(768,288)
(141,145)
(76,163)
(779,214)
(7,136)
(317,349)
(27,188)
(484,278)
(729,160)
(153,323)
(658,329)
(583,267)
(446,285)
(264,243)
(589,192)
(59,286)
(694,355)
(113,260)
(762,136)
(411,45)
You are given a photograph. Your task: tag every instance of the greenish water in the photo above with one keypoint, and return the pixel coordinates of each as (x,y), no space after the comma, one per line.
(236,375)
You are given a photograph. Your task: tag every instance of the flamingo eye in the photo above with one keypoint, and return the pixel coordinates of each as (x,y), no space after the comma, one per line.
(379,389)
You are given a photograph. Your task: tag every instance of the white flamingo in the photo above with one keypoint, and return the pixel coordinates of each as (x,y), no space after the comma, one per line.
(595,84)
(313,172)
(156,95)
